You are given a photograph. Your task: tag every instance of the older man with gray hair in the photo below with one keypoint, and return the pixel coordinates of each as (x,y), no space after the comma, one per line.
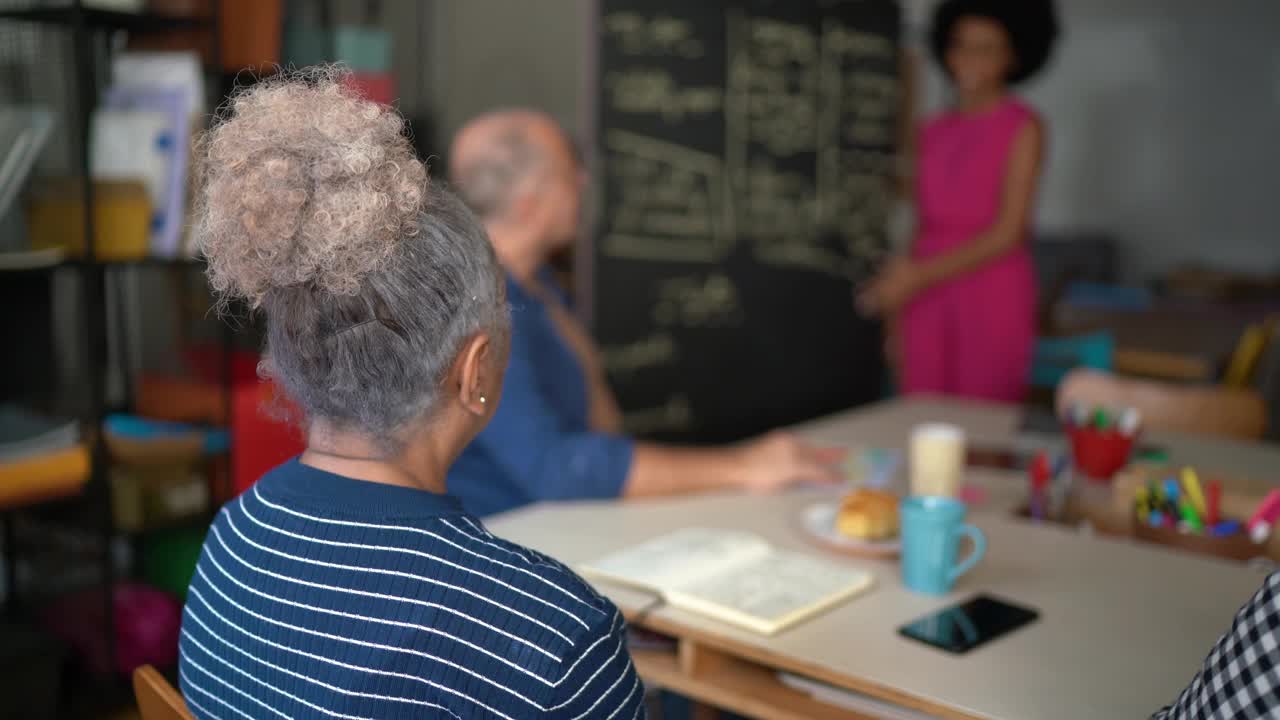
(557,434)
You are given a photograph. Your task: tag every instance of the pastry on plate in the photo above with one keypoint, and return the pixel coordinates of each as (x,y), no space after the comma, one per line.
(868,514)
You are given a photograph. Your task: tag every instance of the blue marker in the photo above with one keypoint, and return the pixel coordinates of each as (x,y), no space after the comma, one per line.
(1171,490)
(1226,527)
(1155,518)
(1059,464)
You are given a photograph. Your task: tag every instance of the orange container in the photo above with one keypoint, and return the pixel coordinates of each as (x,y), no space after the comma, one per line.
(250,36)
(35,479)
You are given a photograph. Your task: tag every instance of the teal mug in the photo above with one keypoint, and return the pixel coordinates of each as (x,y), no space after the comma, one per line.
(931,531)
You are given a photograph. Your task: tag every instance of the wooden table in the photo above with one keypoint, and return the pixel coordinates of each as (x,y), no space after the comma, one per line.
(1123,627)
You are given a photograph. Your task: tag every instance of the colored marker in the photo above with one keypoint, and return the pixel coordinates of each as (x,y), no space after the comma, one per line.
(1069,416)
(1260,522)
(1101,420)
(1190,517)
(1191,483)
(1059,490)
(1130,421)
(1226,527)
(1080,415)
(1059,464)
(1141,508)
(1171,490)
(1213,502)
(1153,455)
(1039,472)
(1156,518)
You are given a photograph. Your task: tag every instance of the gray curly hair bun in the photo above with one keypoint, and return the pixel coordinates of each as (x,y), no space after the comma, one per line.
(304,182)
(314,209)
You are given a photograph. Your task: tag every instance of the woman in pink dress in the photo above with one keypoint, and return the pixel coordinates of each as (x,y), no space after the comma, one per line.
(965,295)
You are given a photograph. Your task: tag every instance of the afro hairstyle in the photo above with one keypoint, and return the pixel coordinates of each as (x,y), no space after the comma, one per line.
(1032,26)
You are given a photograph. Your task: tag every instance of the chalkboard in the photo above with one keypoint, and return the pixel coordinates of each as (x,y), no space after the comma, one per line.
(745,151)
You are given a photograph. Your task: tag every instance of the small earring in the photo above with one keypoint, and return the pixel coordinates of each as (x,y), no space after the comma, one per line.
(482,399)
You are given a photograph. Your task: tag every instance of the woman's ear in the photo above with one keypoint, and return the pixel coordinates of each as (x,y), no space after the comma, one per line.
(478,386)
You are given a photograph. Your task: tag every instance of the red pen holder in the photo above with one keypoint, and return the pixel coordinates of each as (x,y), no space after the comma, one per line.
(1100,454)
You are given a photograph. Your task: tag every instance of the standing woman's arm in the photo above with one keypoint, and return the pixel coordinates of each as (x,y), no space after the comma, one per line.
(1021,180)
(904,278)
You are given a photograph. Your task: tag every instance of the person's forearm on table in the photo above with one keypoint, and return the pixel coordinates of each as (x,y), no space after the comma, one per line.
(663,470)
(765,464)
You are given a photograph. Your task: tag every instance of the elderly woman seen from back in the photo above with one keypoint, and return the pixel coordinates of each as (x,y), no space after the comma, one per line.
(347,582)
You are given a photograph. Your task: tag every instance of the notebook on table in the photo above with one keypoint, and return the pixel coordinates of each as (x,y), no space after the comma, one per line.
(734,577)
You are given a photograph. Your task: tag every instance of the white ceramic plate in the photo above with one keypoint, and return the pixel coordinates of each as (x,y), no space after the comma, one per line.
(819,523)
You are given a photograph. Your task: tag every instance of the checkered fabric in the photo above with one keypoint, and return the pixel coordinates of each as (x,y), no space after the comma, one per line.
(1240,679)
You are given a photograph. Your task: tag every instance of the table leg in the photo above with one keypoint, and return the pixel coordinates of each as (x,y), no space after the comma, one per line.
(9,538)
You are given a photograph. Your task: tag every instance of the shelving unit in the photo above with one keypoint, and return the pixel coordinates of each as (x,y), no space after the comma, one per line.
(96,19)
(88,29)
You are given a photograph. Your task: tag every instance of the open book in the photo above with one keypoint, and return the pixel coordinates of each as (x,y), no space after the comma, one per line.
(734,577)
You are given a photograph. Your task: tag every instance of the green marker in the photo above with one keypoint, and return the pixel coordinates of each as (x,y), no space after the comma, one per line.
(1190,517)
(1101,420)
(1153,455)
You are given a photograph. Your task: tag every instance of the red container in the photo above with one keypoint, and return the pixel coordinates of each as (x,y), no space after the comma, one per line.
(262,435)
(1100,454)
(378,87)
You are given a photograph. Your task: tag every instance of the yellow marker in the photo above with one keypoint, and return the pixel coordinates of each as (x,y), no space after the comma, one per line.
(1140,504)
(1192,485)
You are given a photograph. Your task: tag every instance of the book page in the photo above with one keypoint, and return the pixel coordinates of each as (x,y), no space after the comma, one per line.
(774,591)
(681,558)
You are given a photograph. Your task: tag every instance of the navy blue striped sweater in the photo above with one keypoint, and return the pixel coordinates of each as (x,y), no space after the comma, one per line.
(320,596)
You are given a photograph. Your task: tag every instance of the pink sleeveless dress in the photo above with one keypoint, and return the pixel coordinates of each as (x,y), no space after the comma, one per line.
(970,336)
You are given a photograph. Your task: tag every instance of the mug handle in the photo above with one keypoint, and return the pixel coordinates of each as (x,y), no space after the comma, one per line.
(979,549)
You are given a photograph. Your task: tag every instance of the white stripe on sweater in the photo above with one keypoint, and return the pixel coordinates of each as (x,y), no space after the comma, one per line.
(634,687)
(435,606)
(591,679)
(183,652)
(347,666)
(393,573)
(332,688)
(428,533)
(527,558)
(363,643)
(604,694)
(191,702)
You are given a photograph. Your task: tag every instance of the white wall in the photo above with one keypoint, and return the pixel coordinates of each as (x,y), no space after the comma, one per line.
(492,54)
(1165,122)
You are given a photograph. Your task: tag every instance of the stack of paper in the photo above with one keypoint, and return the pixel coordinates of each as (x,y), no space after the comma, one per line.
(25,435)
(40,457)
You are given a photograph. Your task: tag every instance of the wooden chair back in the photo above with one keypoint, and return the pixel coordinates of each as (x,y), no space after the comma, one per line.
(157,699)
(1205,410)
(1253,344)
